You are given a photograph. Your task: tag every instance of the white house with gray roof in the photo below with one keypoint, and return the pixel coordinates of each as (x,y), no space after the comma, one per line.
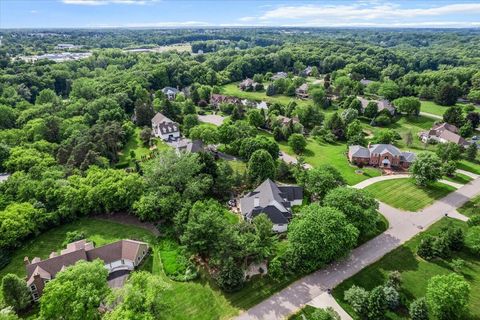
(274,200)
(164,128)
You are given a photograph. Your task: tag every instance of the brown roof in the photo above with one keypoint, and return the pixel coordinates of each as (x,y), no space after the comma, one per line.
(445,126)
(55,264)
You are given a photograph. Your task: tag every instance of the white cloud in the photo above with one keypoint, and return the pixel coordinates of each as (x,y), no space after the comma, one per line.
(160,24)
(105,2)
(33,11)
(367,13)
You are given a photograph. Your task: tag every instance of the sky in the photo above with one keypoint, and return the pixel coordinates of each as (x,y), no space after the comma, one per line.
(219,13)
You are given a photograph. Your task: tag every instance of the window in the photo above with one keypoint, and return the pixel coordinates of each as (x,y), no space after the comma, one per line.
(35,296)
(33,287)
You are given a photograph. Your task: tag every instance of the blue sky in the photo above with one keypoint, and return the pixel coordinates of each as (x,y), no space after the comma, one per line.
(192,13)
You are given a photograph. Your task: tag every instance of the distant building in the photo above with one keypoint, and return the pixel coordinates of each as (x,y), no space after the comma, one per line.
(189,146)
(249,85)
(170,92)
(302,91)
(443,133)
(279,75)
(307,72)
(217,99)
(165,128)
(382,105)
(65,46)
(380,155)
(274,201)
(366,82)
(123,255)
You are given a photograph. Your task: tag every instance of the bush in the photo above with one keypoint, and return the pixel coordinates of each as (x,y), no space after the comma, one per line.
(472,239)
(73,236)
(418,309)
(230,277)
(425,249)
(392,297)
(357,297)
(297,142)
(474,221)
(382,121)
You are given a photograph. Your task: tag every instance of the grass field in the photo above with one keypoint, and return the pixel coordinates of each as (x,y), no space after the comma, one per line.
(469,166)
(459,178)
(404,194)
(432,107)
(471,208)
(318,153)
(137,146)
(415,272)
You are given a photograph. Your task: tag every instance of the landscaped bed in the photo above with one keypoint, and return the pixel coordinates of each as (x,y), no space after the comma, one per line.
(405,194)
(415,272)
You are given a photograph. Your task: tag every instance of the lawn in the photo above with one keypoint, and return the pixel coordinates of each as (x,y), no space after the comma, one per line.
(415,272)
(135,144)
(101,232)
(405,194)
(432,107)
(319,153)
(469,166)
(471,208)
(459,178)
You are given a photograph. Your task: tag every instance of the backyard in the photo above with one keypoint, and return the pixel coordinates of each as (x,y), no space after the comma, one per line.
(405,194)
(415,272)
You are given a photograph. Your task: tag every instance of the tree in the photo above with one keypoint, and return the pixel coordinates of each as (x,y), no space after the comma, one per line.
(190,121)
(376,304)
(355,134)
(425,248)
(319,181)
(8,118)
(8,314)
(392,297)
(357,297)
(15,292)
(206,133)
(142,297)
(319,97)
(466,130)
(454,115)
(472,239)
(250,145)
(447,94)
(146,135)
(449,168)
(309,116)
(449,151)
(418,309)
(297,142)
(386,136)
(318,235)
(471,152)
(426,168)
(230,277)
(447,296)
(408,105)
(336,125)
(255,118)
(4,154)
(473,118)
(349,115)
(389,90)
(76,292)
(46,96)
(260,167)
(371,110)
(270,90)
(324,314)
(359,207)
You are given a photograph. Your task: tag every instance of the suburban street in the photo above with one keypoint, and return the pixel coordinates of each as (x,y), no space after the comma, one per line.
(403,225)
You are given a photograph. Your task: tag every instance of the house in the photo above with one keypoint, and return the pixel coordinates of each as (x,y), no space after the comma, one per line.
(284,121)
(249,85)
(217,99)
(307,72)
(302,91)
(273,200)
(189,146)
(254,104)
(123,255)
(366,82)
(170,92)
(382,105)
(165,128)
(380,155)
(279,75)
(443,133)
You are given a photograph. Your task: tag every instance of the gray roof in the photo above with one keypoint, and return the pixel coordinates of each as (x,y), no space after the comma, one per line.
(191,146)
(273,200)
(384,148)
(164,124)
(408,156)
(159,118)
(382,104)
(359,151)
(172,89)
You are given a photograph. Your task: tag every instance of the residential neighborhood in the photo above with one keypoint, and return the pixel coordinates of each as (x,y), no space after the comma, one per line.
(246,160)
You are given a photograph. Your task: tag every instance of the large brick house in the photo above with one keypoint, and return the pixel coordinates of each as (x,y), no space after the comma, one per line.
(380,155)
(120,256)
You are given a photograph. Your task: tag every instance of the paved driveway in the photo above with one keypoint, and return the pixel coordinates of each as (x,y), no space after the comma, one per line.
(402,227)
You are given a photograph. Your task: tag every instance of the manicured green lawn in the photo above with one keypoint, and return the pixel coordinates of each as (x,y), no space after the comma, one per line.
(305,313)
(238,166)
(319,153)
(471,208)
(469,166)
(99,231)
(415,272)
(405,194)
(459,178)
(137,146)
(433,108)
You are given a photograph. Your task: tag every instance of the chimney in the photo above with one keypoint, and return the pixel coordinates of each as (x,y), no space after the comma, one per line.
(368,145)
(26,261)
(256,202)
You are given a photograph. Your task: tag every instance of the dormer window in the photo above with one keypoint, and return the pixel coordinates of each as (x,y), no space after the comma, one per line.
(33,287)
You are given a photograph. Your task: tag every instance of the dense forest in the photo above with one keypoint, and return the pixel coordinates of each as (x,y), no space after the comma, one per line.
(64,127)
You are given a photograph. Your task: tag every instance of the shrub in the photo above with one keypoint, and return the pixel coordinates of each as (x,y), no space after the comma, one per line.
(425,249)
(474,221)
(73,236)
(230,277)
(418,309)
(357,297)
(472,239)
(392,297)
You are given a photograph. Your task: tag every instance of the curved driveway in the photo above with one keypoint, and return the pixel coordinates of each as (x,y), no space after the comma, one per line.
(402,227)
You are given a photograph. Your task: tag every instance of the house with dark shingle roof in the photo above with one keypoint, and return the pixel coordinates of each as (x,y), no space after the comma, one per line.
(302,91)
(382,105)
(274,200)
(380,155)
(443,133)
(165,128)
(279,75)
(123,255)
